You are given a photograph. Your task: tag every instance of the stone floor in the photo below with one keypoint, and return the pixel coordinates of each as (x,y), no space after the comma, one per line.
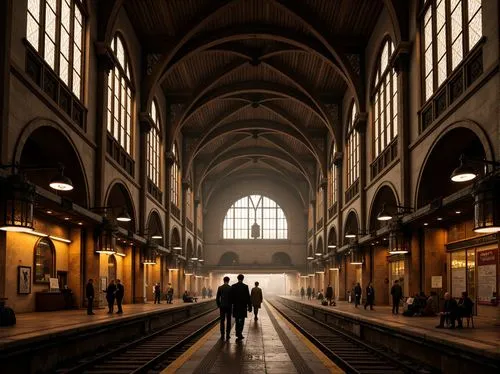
(484,337)
(36,324)
(269,347)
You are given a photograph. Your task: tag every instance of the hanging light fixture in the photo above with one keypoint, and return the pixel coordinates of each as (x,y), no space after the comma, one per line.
(332,246)
(487,205)
(356,255)
(334,263)
(398,243)
(350,234)
(156,236)
(106,240)
(61,182)
(464,172)
(16,204)
(149,254)
(255,230)
(124,216)
(384,215)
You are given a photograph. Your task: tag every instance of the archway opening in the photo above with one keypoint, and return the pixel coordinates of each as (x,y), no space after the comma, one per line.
(351,228)
(332,239)
(384,199)
(229,259)
(119,202)
(281,259)
(155,228)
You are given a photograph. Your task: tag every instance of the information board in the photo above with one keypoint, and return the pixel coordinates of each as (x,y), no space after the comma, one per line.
(436,281)
(487,276)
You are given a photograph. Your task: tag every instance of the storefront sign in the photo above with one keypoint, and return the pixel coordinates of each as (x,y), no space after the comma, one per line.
(487,276)
(436,281)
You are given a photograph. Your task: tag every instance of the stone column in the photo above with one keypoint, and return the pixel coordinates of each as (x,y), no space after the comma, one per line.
(146,124)
(5,48)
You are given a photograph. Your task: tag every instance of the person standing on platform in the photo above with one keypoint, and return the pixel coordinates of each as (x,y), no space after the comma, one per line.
(224,304)
(357,295)
(120,291)
(241,302)
(309,292)
(397,294)
(302,293)
(203,292)
(89,294)
(370,296)
(110,295)
(329,294)
(170,293)
(157,293)
(256,296)
(210,292)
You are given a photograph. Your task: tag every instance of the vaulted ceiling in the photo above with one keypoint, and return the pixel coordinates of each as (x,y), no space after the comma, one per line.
(254,86)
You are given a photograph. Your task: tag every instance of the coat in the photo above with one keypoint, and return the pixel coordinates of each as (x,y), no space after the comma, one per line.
(396,292)
(240,299)
(223,296)
(110,292)
(89,291)
(120,291)
(370,294)
(329,292)
(256,297)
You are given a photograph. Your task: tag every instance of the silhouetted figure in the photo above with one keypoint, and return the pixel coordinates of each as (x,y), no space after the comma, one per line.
(302,292)
(120,292)
(370,296)
(313,293)
(89,294)
(256,296)
(329,294)
(203,292)
(465,306)
(357,295)
(110,295)
(157,293)
(309,292)
(223,300)
(449,312)
(240,300)
(210,292)
(397,294)
(188,299)
(170,293)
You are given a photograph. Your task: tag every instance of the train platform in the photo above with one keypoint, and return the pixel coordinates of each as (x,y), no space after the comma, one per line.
(271,345)
(49,337)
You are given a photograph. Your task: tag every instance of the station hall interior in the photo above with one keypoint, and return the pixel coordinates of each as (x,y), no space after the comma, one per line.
(304,144)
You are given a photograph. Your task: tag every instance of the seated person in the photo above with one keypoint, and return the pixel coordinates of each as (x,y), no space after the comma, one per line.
(186,298)
(465,306)
(409,307)
(449,312)
(320,295)
(430,308)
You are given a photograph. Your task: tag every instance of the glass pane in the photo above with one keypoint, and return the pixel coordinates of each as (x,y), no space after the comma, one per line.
(65,42)
(456,23)
(76,84)
(441,71)
(456,52)
(49,53)
(63,69)
(429,90)
(475,29)
(32,31)
(50,23)
(458,277)
(471,273)
(65,14)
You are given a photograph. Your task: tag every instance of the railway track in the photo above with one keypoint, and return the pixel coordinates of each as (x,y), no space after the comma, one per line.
(348,352)
(150,353)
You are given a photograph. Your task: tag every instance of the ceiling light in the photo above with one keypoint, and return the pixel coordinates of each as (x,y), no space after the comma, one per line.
(177,247)
(194,258)
(384,215)
(426,224)
(350,235)
(310,257)
(332,246)
(157,236)
(49,212)
(66,218)
(318,253)
(124,216)
(458,212)
(61,182)
(80,223)
(463,173)
(439,218)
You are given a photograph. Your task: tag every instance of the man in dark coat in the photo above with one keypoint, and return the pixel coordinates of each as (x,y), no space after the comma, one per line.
(370,296)
(397,294)
(89,294)
(224,303)
(157,293)
(357,295)
(449,312)
(329,294)
(120,291)
(309,292)
(256,297)
(110,295)
(240,300)
(302,292)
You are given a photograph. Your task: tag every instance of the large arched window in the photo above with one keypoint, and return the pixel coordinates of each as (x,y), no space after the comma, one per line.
(255,208)
(45,260)
(175,177)
(120,97)
(154,146)
(55,28)
(352,148)
(450,28)
(385,106)
(332,178)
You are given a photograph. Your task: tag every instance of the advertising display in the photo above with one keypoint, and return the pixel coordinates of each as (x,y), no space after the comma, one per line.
(487,276)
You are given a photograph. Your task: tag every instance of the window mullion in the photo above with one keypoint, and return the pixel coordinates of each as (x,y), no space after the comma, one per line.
(434,47)
(41,33)
(57,41)
(465,27)
(449,50)
(71,44)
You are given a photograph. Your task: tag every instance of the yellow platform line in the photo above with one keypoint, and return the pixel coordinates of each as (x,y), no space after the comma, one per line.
(329,364)
(181,360)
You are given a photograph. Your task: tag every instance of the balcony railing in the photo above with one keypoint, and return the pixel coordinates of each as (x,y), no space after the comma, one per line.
(352,191)
(384,159)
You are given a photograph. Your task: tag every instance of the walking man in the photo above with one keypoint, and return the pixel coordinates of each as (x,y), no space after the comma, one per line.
(110,295)
(370,296)
(256,297)
(120,291)
(89,293)
(397,294)
(309,292)
(240,300)
(157,293)
(357,295)
(224,304)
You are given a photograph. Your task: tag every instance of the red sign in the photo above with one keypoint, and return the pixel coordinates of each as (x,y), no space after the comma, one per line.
(488,257)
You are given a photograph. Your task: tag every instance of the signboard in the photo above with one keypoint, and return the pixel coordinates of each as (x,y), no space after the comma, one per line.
(54,284)
(487,276)
(436,281)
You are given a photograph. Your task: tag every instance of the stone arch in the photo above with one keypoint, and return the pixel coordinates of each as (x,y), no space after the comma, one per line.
(351,224)
(434,182)
(319,247)
(35,147)
(189,250)
(331,239)
(175,238)
(281,259)
(385,194)
(229,258)
(119,198)
(199,252)
(310,252)
(155,226)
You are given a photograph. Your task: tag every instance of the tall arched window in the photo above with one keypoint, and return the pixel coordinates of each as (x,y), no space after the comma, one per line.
(385,106)
(352,148)
(451,28)
(120,97)
(175,177)
(332,179)
(45,261)
(154,147)
(255,208)
(55,28)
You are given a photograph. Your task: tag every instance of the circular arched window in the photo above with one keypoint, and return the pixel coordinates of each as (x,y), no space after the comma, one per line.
(45,261)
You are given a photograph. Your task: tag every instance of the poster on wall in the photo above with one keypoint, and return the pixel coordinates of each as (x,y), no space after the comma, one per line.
(458,284)
(23,280)
(487,277)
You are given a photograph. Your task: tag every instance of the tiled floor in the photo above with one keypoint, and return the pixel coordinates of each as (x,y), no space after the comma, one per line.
(484,337)
(36,324)
(262,351)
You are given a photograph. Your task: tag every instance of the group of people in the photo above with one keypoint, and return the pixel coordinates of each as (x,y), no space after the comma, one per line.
(206,292)
(325,299)
(114,292)
(455,312)
(235,301)
(157,293)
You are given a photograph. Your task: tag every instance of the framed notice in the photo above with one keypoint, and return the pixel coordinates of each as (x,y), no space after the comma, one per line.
(54,284)
(436,281)
(487,276)
(24,280)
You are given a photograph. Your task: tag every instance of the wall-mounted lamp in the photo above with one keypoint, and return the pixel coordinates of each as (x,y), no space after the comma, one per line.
(386,215)
(59,182)
(398,243)
(466,172)
(486,196)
